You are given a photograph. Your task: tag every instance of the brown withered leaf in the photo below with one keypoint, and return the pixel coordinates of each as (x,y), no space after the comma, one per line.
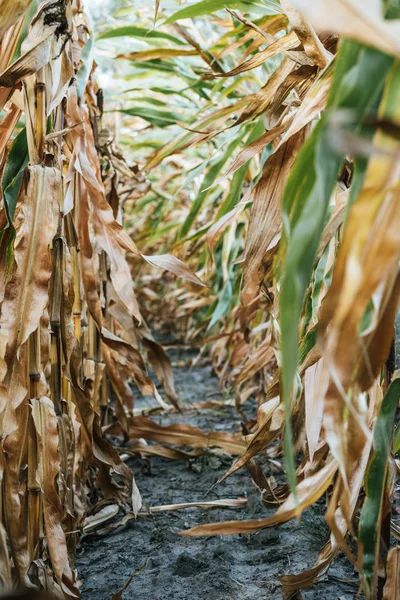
(376,345)
(144,449)
(27,290)
(98,518)
(131,360)
(96,449)
(265,216)
(367,261)
(42,44)
(262,356)
(36,222)
(256,34)
(120,385)
(308,491)
(7,126)
(287,42)
(182,434)
(391,590)
(316,381)
(267,95)
(254,148)
(155,53)
(15,500)
(10,12)
(161,364)
(269,422)
(224,503)
(45,421)
(356,19)
(110,236)
(5,564)
(118,595)
(291,584)
(216,230)
(174,265)
(306,34)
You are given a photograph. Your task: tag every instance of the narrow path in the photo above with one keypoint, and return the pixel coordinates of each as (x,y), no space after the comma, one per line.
(215,568)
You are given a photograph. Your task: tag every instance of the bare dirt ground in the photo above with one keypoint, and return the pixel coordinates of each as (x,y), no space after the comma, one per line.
(238,567)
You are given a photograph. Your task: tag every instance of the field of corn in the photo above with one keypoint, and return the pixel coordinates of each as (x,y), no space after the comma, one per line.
(199,282)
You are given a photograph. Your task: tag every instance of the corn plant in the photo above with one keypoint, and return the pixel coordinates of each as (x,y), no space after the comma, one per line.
(69,315)
(268,163)
(281,190)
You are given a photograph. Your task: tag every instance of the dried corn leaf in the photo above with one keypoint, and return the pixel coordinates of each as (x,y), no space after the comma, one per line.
(308,491)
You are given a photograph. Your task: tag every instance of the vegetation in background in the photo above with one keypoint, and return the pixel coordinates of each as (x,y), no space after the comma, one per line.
(260,150)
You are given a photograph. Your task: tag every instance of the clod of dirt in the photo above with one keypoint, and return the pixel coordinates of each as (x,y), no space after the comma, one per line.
(187,566)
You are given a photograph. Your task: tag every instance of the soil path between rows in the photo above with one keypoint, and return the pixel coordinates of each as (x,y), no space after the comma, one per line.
(238,567)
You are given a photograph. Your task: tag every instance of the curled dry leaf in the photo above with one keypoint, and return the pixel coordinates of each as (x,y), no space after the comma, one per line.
(45,421)
(308,491)
(174,265)
(183,434)
(10,12)
(356,19)
(43,43)
(391,590)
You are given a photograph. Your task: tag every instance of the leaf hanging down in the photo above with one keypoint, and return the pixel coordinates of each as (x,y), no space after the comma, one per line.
(309,490)
(315,385)
(366,244)
(174,265)
(46,426)
(305,203)
(161,365)
(42,44)
(305,580)
(265,216)
(5,564)
(306,34)
(370,518)
(391,590)
(357,19)
(36,223)
(110,235)
(269,423)
(254,148)
(131,361)
(10,12)
(7,126)
(216,230)
(17,160)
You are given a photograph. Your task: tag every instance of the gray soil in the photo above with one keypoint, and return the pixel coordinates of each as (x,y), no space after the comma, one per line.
(238,567)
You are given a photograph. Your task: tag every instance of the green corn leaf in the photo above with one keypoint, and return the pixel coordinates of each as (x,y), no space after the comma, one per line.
(396,443)
(87,64)
(208,180)
(222,307)
(159,118)
(209,6)
(140,33)
(13,174)
(358,80)
(370,519)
